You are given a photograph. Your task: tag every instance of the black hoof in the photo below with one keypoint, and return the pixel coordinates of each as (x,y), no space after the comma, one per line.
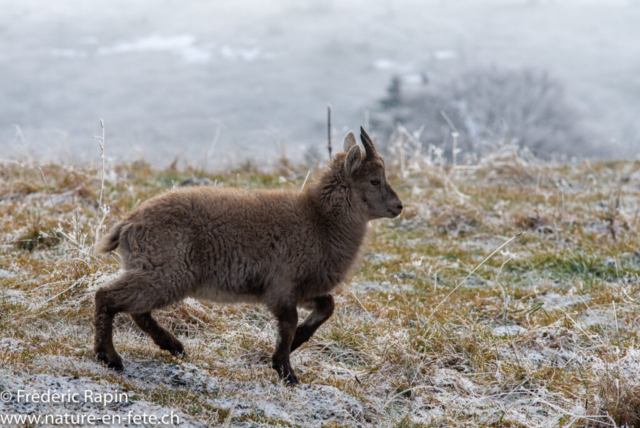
(291,380)
(286,373)
(178,353)
(177,350)
(115,365)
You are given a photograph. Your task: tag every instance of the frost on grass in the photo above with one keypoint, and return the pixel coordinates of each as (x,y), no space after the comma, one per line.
(544,333)
(88,398)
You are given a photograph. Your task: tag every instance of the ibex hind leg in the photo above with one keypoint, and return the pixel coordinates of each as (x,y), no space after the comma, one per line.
(161,336)
(103,333)
(133,292)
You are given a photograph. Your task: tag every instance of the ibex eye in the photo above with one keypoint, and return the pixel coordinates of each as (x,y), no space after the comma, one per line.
(375,182)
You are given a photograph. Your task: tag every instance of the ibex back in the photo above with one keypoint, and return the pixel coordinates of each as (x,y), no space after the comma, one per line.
(283,249)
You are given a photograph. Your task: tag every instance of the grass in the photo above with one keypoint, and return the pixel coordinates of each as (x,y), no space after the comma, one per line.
(544,333)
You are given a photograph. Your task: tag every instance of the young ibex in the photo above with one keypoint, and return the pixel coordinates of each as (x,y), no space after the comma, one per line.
(283,249)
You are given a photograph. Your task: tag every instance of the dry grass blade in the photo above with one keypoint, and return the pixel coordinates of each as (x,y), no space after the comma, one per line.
(471,273)
(53,205)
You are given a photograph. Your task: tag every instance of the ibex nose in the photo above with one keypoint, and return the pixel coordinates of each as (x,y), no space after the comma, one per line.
(399,206)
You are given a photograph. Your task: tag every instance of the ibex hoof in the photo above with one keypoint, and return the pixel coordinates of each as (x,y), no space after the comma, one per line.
(113,364)
(178,353)
(116,366)
(176,349)
(291,380)
(286,373)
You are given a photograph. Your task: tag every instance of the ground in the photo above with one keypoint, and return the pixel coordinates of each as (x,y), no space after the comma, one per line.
(507,294)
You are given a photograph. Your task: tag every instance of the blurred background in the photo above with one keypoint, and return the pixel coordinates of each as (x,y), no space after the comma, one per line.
(213,83)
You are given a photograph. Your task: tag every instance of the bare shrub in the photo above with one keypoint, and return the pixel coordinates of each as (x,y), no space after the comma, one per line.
(489,105)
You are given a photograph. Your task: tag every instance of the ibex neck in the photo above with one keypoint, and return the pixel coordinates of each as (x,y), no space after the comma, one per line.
(333,202)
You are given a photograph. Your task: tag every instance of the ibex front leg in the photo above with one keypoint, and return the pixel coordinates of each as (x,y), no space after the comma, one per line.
(287,317)
(322,309)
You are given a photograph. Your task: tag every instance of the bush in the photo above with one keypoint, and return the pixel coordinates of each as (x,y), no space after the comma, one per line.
(488,106)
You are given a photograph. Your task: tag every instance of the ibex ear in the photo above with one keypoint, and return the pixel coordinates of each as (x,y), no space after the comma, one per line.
(349,141)
(352,162)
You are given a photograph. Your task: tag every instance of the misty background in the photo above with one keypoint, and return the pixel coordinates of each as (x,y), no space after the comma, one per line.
(214,83)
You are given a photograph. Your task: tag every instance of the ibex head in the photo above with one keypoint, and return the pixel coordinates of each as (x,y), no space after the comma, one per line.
(366,174)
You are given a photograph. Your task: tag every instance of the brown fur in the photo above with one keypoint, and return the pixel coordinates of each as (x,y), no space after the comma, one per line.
(283,249)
